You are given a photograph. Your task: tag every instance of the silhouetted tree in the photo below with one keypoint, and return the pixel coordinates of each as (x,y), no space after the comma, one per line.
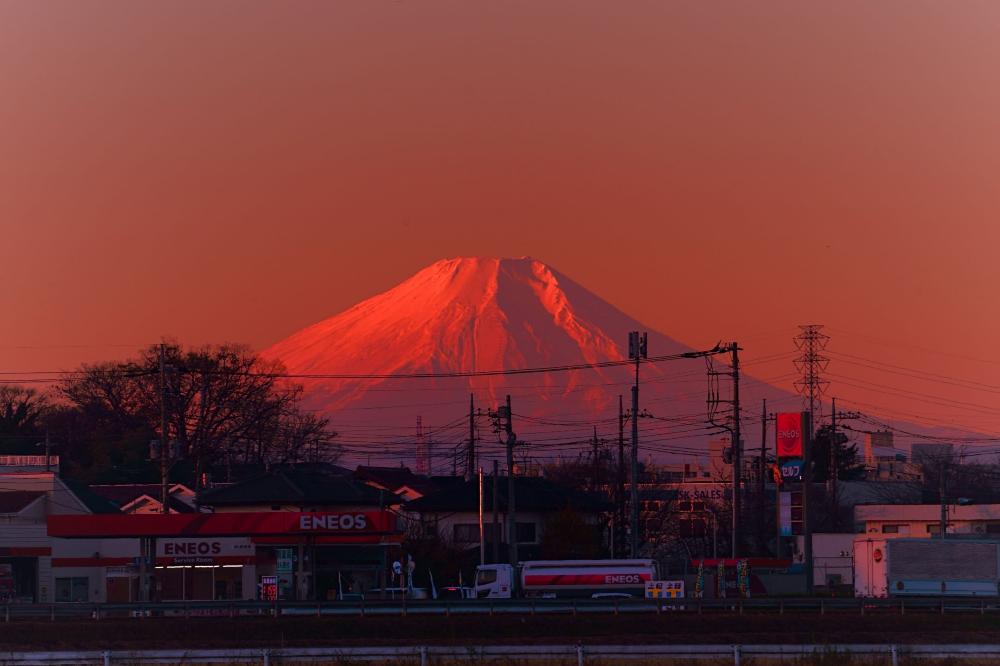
(222,402)
(22,411)
(849,467)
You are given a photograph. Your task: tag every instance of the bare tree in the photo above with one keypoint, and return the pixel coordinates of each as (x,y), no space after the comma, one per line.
(22,411)
(222,402)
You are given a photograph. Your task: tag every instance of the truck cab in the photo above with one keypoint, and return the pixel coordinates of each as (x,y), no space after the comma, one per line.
(494,581)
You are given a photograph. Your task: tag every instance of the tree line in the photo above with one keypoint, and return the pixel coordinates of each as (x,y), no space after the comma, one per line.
(224,405)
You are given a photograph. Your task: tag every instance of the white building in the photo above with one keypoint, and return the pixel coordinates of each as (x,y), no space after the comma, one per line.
(924,520)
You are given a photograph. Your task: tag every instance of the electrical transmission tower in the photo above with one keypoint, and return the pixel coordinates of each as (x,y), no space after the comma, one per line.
(811,364)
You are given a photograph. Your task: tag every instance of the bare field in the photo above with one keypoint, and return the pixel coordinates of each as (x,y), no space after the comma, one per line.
(247,632)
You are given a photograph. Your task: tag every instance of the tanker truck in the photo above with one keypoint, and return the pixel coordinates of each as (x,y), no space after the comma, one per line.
(557,579)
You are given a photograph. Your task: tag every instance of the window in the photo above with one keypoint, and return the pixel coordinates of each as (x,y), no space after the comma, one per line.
(72,589)
(486,576)
(465,533)
(895,529)
(993,528)
(526,533)
(933,528)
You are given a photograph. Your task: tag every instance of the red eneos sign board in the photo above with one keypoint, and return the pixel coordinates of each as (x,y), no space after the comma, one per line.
(348,525)
(789,434)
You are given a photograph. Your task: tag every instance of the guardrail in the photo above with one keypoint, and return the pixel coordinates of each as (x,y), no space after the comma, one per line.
(902,606)
(425,655)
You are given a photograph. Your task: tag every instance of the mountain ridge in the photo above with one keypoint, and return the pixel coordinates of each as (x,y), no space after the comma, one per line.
(483,313)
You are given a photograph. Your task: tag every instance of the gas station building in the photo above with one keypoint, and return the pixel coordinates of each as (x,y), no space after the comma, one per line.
(293,534)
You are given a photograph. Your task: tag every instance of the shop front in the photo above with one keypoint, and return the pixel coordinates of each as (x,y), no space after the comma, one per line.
(239,555)
(212,569)
(329,571)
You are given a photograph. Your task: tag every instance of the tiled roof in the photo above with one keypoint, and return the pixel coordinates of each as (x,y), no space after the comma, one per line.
(94,502)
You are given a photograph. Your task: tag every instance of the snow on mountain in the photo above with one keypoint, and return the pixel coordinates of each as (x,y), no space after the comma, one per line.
(476,314)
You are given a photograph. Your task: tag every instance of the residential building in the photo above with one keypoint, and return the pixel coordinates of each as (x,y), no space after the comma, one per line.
(924,520)
(452,514)
(33,566)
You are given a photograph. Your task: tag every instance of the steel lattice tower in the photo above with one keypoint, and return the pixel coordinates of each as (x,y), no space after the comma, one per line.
(811,363)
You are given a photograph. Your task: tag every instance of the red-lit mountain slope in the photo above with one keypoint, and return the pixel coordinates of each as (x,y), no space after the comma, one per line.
(489,314)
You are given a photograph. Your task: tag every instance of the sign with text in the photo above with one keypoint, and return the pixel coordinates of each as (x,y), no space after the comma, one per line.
(791,469)
(219,550)
(345,525)
(285,560)
(664,589)
(789,434)
(268,588)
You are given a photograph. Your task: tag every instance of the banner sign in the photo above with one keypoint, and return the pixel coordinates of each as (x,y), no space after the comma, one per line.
(789,434)
(324,525)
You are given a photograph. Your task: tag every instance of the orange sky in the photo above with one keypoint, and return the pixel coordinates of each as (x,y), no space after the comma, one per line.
(236,170)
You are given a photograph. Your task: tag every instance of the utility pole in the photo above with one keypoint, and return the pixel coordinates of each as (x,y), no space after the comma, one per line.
(470,463)
(637,350)
(511,505)
(620,508)
(761,466)
(594,461)
(495,531)
(944,502)
(807,441)
(48,450)
(831,474)
(164,437)
(736,444)
(482,534)
(737,454)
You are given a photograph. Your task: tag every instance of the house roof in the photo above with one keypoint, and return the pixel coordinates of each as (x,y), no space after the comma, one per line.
(297,487)
(239,472)
(94,502)
(530,494)
(15,501)
(124,494)
(394,478)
